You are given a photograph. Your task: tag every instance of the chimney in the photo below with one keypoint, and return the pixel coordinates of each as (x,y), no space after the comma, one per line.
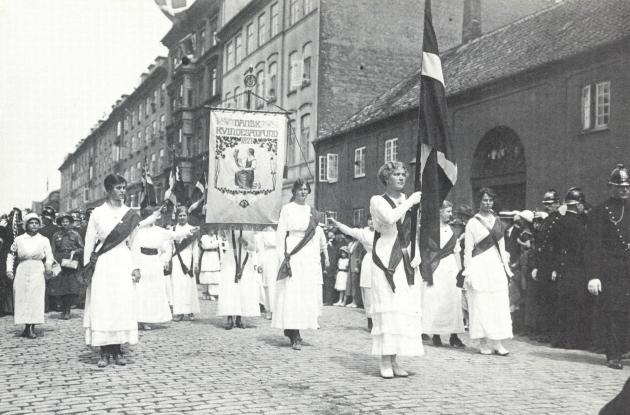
(471,24)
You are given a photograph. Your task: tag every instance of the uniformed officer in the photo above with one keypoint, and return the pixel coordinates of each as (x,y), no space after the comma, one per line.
(568,238)
(543,271)
(608,263)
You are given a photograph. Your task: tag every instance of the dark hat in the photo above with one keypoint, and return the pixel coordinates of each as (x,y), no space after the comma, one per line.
(574,196)
(64,215)
(464,211)
(619,176)
(551,196)
(49,212)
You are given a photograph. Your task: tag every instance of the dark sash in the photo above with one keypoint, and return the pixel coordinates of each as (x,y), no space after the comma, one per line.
(121,231)
(398,253)
(285,268)
(237,258)
(185,243)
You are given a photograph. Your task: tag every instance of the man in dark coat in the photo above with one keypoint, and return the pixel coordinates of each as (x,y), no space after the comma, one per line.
(608,263)
(543,272)
(569,237)
(48,229)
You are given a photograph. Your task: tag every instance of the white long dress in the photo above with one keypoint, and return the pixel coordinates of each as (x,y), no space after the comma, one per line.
(110,312)
(239,298)
(29,285)
(397,326)
(184,287)
(211,251)
(487,285)
(442,302)
(152,305)
(297,297)
(268,260)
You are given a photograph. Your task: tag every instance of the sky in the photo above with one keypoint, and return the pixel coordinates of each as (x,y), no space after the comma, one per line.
(63,64)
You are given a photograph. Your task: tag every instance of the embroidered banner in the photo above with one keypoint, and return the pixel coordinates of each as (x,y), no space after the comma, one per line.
(245,168)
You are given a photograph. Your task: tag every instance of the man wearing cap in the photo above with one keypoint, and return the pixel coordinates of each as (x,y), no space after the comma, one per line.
(48,229)
(568,238)
(543,271)
(608,263)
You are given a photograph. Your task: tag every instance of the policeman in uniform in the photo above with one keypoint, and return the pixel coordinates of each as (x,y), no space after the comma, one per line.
(568,238)
(608,263)
(543,272)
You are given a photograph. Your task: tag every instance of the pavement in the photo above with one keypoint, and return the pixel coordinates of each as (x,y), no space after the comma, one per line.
(199,367)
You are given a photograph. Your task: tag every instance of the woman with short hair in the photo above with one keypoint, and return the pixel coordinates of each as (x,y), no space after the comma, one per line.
(487,272)
(396,305)
(297,300)
(34,257)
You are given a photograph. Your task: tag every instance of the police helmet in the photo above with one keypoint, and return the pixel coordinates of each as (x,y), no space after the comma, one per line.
(574,196)
(619,176)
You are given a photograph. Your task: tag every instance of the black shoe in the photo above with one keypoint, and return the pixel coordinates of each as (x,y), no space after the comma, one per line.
(437,341)
(239,323)
(370,324)
(103,361)
(230,324)
(31,332)
(425,337)
(120,360)
(297,344)
(456,342)
(615,364)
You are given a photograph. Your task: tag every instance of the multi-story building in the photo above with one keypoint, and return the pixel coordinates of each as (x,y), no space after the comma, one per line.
(132,136)
(537,104)
(194,83)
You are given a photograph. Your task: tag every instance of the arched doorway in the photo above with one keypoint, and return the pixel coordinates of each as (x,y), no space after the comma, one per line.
(499,163)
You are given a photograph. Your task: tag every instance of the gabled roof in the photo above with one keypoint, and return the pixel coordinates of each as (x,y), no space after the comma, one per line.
(559,32)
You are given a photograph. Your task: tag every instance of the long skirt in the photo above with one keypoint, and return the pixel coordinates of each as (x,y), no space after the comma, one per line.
(442,302)
(150,292)
(29,290)
(185,296)
(366,294)
(489,315)
(238,298)
(110,311)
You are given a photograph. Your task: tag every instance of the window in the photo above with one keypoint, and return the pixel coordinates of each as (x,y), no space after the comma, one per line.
(213,81)
(306,64)
(229,56)
(249,41)
(260,88)
(238,49)
(322,169)
(154,127)
(152,167)
(333,167)
(359,162)
(308,6)
(331,214)
(294,72)
(162,160)
(91,173)
(86,195)
(133,117)
(391,150)
(305,135)
(139,141)
(162,94)
(595,113)
(189,97)
(180,135)
(162,123)
(273,81)
(262,30)
(147,106)
(140,113)
(139,171)
(275,21)
(155,101)
(293,12)
(213,26)
(290,159)
(202,41)
(358,217)
(118,129)
(147,134)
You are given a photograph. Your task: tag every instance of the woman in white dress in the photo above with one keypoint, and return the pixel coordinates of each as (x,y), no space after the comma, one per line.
(149,245)
(442,312)
(365,236)
(297,300)
(35,258)
(110,313)
(396,296)
(268,266)
(211,251)
(183,257)
(486,268)
(239,294)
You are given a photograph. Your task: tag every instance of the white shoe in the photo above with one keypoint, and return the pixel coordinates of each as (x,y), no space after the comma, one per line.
(387,372)
(398,371)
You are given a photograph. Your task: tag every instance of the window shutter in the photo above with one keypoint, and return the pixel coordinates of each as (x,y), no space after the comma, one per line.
(586,107)
(333,161)
(323,169)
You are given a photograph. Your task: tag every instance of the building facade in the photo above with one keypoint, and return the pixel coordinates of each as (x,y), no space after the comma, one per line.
(519,125)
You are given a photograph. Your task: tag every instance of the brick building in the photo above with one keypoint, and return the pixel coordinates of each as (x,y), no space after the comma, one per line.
(132,135)
(535,104)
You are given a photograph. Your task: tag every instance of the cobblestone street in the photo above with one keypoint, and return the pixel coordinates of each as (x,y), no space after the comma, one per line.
(200,367)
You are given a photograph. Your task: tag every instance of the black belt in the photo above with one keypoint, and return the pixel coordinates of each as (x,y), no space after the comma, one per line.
(211,250)
(148,251)
(343,270)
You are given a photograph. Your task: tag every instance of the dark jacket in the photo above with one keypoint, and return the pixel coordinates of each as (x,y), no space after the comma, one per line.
(544,248)
(568,238)
(608,252)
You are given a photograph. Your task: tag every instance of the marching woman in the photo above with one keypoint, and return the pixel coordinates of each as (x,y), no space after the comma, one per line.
(110,313)
(211,250)
(35,258)
(365,236)
(185,297)
(239,290)
(300,274)
(67,246)
(396,295)
(149,244)
(268,266)
(487,270)
(442,312)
